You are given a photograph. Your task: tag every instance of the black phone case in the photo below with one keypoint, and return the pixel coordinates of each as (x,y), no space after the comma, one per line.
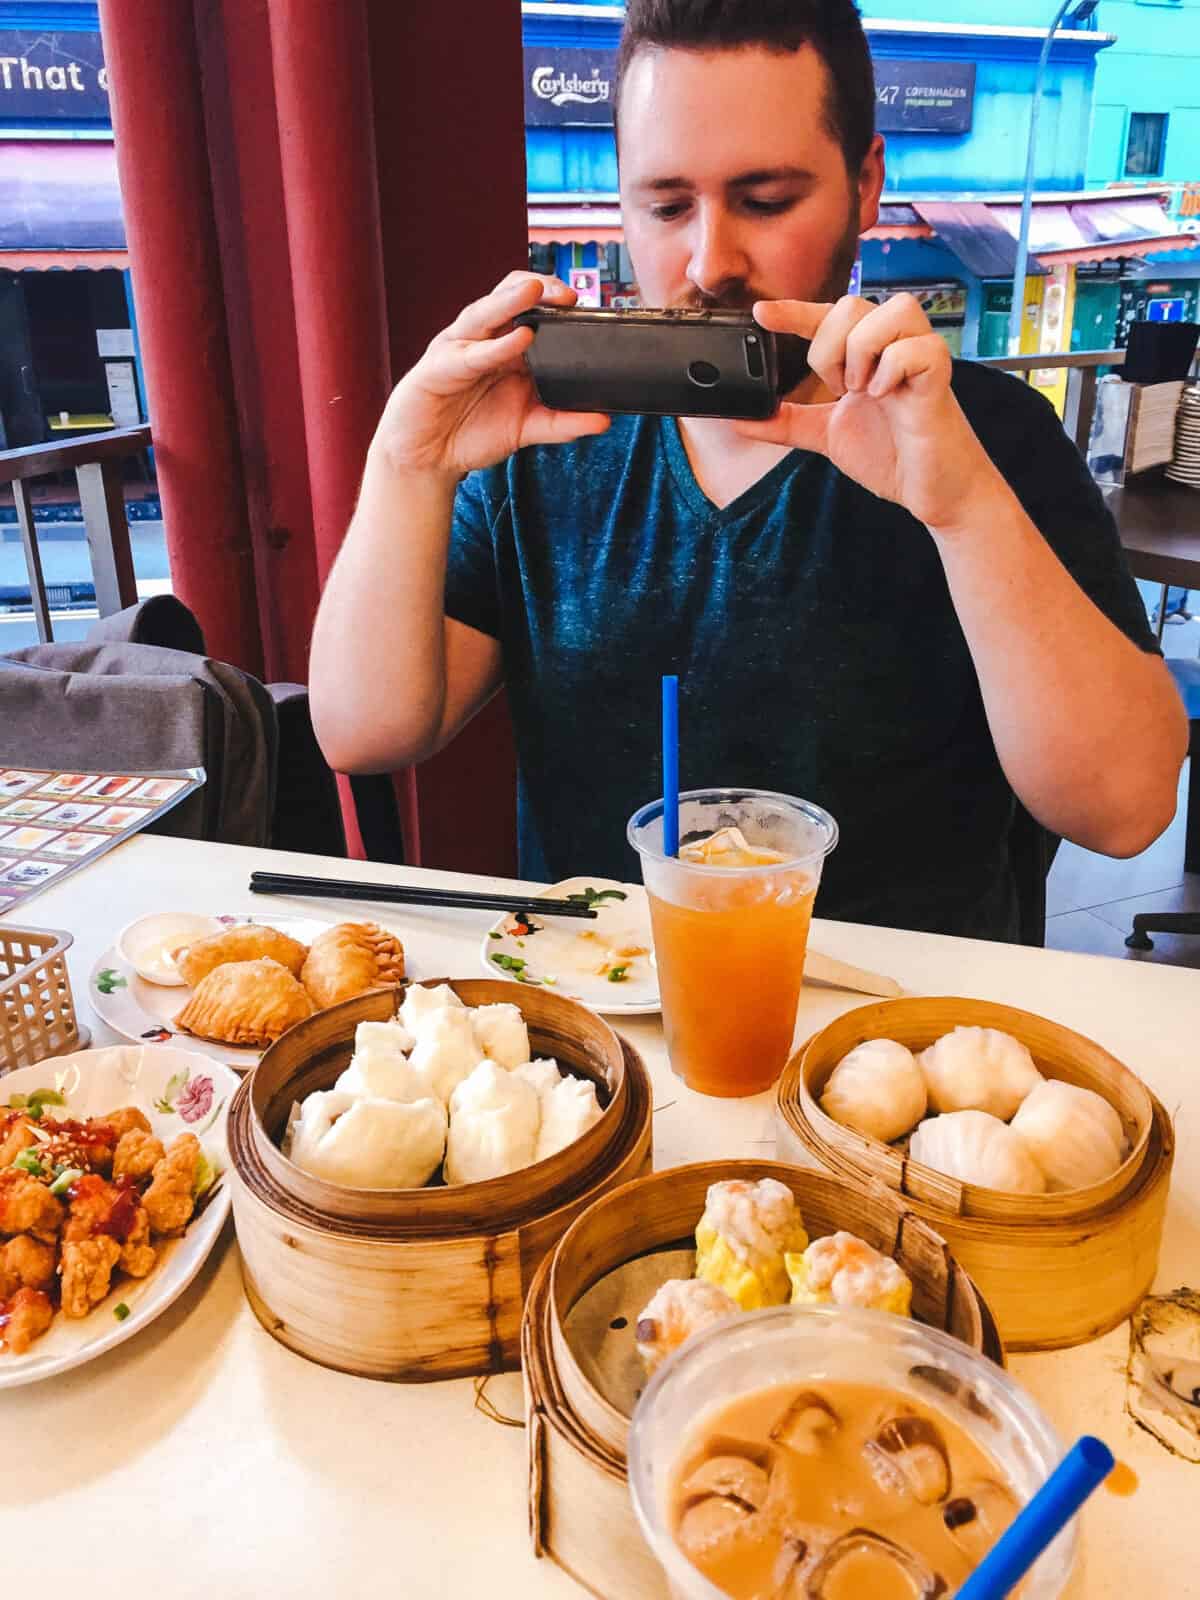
(660,363)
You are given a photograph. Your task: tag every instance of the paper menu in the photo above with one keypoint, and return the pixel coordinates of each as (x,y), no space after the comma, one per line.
(52,823)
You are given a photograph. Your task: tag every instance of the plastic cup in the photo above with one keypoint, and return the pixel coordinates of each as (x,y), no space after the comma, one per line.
(729,942)
(809,1345)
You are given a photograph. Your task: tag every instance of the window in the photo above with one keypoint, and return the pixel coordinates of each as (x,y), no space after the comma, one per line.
(1146,144)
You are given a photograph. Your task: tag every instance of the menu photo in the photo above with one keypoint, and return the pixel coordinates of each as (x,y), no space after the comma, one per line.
(53,823)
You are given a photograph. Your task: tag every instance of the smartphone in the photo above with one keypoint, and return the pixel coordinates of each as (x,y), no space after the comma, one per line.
(661,363)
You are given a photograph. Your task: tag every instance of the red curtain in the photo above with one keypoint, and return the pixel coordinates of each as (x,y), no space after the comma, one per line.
(322,189)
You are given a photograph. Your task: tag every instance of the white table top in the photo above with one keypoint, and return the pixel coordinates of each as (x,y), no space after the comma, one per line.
(201,1459)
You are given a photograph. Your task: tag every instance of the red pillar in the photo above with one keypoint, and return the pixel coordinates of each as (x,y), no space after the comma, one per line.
(158,123)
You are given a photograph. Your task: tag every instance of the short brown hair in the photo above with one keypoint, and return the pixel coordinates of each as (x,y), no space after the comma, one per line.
(833,28)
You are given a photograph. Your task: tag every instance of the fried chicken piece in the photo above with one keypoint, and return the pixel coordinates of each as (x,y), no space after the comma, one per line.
(16,1134)
(27,1206)
(135,1156)
(138,1255)
(9,1282)
(124,1121)
(89,1208)
(24,1318)
(87,1266)
(169,1200)
(29,1260)
(64,1145)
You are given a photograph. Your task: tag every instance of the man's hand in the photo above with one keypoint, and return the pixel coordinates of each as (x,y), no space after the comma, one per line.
(895,426)
(470,401)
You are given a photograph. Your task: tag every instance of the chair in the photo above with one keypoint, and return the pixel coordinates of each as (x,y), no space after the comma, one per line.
(1187,677)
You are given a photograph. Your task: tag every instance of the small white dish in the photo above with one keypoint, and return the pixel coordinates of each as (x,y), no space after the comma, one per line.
(574,957)
(147,942)
(180,1091)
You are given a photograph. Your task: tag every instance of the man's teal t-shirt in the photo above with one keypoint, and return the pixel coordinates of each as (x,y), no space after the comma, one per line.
(812,630)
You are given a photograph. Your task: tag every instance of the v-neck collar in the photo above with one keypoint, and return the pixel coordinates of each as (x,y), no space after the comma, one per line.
(762,489)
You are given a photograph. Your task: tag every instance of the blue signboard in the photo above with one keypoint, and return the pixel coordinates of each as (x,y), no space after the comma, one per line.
(924,96)
(47,76)
(568,86)
(1164,311)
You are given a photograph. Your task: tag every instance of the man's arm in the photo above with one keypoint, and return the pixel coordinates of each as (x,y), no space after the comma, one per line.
(1089,729)
(392,678)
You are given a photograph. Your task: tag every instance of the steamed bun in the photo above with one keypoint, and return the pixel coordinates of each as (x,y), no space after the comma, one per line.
(369,1143)
(494,1117)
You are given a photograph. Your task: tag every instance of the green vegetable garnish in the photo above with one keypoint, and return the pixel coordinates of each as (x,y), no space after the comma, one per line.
(121,1311)
(18,1102)
(495,935)
(28,1162)
(206,1175)
(47,1097)
(618,974)
(595,897)
(65,1179)
(509,963)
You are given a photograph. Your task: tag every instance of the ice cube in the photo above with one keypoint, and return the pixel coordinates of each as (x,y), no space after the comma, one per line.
(908,1456)
(807,1425)
(801,1546)
(956,1388)
(865,1563)
(710,1522)
(977,1517)
(735,1476)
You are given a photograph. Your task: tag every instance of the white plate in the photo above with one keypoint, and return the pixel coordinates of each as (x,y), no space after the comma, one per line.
(180,1092)
(569,951)
(146,1012)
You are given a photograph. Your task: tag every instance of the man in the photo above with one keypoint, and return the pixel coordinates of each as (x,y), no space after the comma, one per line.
(1002,648)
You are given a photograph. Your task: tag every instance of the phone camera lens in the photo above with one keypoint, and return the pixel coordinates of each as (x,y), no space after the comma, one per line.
(704,374)
(754,356)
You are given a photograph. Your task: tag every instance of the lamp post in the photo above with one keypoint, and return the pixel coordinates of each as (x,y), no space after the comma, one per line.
(1082,10)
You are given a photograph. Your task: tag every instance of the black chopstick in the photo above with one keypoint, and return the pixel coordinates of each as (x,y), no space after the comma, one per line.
(413,895)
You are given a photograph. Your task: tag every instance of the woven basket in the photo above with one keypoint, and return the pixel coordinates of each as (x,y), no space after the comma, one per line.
(37,1009)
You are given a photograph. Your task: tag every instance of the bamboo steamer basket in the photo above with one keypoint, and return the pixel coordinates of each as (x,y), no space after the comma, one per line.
(1057,1270)
(580,1512)
(428,1283)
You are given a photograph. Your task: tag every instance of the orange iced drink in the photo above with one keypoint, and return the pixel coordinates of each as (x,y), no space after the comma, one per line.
(730,916)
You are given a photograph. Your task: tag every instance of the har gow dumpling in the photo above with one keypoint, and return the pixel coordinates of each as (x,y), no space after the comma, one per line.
(369,1143)
(975,1147)
(494,1119)
(446,1051)
(501,1034)
(978,1069)
(420,1003)
(878,1089)
(1075,1136)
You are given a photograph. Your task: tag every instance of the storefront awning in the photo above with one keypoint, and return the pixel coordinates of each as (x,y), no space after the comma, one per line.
(60,260)
(59,196)
(575,225)
(984,235)
(898,222)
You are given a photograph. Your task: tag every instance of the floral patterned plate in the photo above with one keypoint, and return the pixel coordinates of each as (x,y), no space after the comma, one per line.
(146,1012)
(180,1092)
(607,964)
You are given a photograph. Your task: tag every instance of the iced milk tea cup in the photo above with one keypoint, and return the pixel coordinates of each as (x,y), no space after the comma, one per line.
(790,1345)
(729,940)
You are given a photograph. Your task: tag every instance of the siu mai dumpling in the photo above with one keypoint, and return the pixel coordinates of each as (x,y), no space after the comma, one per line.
(494,1118)
(379,1067)
(977,1148)
(679,1308)
(743,1237)
(1074,1135)
(421,1002)
(350,959)
(446,1051)
(245,1003)
(369,1143)
(247,942)
(843,1270)
(501,1034)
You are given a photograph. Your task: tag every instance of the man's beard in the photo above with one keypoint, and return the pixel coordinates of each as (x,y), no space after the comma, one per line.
(737,295)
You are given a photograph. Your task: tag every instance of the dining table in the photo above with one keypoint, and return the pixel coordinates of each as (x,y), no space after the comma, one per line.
(202,1460)
(1159,525)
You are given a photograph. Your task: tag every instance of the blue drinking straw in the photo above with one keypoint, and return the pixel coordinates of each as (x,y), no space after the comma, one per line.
(1046,1515)
(670,750)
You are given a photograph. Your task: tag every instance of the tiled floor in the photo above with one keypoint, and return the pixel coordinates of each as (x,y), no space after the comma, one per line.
(1091,900)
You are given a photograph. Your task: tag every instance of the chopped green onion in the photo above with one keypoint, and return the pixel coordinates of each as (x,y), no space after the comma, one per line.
(618,974)
(28,1162)
(46,1097)
(121,1311)
(495,935)
(33,1112)
(65,1179)
(513,964)
(18,1102)
(206,1175)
